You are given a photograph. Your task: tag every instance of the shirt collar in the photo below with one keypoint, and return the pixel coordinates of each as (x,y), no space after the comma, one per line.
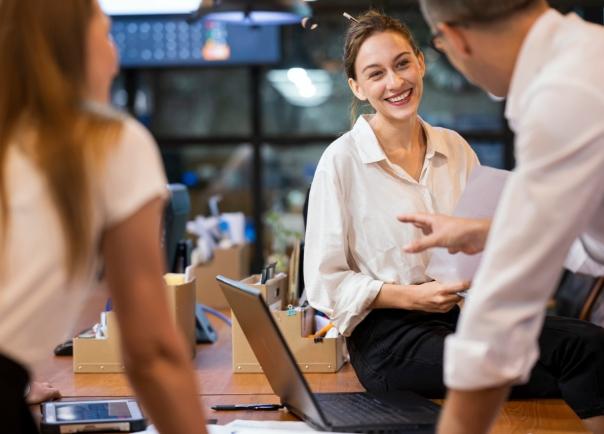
(435,141)
(370,151)
(533,55)
(366,141)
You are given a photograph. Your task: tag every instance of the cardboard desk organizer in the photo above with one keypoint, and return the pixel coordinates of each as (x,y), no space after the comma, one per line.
(101,352)
(233,262)
(297,326)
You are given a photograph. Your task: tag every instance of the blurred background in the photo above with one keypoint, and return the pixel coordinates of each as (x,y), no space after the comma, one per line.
(244,110)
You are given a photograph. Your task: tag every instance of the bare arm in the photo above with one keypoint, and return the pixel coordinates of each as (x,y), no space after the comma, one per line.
(454,233)
(427,297)
(155,356)
(471,412)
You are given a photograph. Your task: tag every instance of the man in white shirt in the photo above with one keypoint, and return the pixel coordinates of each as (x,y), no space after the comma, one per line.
(550,68)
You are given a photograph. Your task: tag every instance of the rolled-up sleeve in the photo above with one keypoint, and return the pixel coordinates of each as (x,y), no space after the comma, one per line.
(332,286)
(548,202)
(580,260)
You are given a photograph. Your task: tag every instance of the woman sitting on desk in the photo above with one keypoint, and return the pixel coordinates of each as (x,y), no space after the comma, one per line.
(394,315)
(79,184)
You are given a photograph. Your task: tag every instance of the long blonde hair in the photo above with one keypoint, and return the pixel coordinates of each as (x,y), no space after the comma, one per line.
(43,96)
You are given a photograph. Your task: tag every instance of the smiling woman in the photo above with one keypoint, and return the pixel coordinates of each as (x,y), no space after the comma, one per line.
(389,162)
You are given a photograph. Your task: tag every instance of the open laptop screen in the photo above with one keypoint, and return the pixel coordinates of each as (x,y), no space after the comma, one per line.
(271,350)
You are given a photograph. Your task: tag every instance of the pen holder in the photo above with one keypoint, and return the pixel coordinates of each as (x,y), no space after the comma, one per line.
(274,291)
(102,353)
(297,327)
(99,354)
(181,303)
(232,262)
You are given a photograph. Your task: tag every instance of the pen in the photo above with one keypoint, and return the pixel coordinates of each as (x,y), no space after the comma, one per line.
(263,407)
(321,333)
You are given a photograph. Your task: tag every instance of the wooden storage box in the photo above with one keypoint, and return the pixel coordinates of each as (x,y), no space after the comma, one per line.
(233,263)
(325,355)
(99,354)
(103,354)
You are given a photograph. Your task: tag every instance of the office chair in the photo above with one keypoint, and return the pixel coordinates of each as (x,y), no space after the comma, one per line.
(595,294)
(577,295)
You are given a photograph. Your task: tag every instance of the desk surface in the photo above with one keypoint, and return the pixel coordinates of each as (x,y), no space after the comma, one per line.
(219,385)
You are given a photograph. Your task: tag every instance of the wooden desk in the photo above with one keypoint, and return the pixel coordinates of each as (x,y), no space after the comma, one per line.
(219,385)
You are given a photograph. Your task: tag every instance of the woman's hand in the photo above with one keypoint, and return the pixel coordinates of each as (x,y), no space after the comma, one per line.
(437,297)
(41,392)
(428,297)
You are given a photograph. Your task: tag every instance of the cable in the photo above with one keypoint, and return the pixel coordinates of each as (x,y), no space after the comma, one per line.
(217,314)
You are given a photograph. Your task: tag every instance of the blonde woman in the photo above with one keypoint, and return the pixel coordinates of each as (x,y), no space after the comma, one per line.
(79,185)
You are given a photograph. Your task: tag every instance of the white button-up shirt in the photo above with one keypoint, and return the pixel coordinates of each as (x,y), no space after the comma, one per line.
(353,239)
(555,195)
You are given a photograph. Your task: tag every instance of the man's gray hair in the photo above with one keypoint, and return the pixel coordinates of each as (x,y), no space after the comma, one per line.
(471,10)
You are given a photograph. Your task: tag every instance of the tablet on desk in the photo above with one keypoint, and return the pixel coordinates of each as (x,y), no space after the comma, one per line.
(115,415)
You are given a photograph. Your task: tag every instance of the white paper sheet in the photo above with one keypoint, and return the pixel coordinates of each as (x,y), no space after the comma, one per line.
(266,426)
(240,426)
(478,200)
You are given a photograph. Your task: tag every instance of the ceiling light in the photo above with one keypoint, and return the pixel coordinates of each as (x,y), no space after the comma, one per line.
(302,87)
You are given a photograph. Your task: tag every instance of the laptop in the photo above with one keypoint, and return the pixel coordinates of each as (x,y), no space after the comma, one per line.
(363,412)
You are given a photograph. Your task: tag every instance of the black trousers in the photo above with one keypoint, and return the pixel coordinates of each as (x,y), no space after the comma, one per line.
(15,416)
(394,349)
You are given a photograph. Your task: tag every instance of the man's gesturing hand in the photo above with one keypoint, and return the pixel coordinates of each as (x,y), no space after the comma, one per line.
(454,233)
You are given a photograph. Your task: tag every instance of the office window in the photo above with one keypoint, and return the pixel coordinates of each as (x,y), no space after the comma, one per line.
(308,94)
(490,153)
(289,173)
(203,102)
(223,170)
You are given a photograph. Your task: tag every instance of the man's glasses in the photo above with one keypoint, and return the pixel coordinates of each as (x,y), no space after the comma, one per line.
(436,41)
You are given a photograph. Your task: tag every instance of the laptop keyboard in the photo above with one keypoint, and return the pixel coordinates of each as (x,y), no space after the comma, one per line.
(358,409)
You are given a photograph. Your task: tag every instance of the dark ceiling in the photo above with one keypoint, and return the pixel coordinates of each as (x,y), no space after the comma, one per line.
(338,5)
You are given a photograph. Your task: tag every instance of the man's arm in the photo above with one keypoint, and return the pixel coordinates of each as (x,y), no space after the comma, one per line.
(468,412)
(551,198)
(454,233)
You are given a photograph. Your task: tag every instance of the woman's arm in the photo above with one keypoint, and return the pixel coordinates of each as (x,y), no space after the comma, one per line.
(428,297)
(332,285)
(155,356)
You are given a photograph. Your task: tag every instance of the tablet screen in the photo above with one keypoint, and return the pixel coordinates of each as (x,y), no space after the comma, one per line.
(74,412)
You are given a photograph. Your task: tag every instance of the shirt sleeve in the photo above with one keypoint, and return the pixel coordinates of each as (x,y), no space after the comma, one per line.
(332,286)
(134,174)
(548,202)
(580,259)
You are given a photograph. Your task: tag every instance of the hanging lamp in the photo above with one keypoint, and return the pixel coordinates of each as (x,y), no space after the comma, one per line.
(253,12)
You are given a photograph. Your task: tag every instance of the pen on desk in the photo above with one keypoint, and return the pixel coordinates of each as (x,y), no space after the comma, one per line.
(262,407)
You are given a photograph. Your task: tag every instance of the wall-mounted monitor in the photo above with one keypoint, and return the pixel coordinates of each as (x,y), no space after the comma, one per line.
(155,33)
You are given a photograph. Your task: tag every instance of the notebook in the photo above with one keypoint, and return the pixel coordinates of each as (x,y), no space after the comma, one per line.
(365,412)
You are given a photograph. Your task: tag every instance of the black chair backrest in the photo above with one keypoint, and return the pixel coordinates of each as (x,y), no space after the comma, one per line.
(576,295)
